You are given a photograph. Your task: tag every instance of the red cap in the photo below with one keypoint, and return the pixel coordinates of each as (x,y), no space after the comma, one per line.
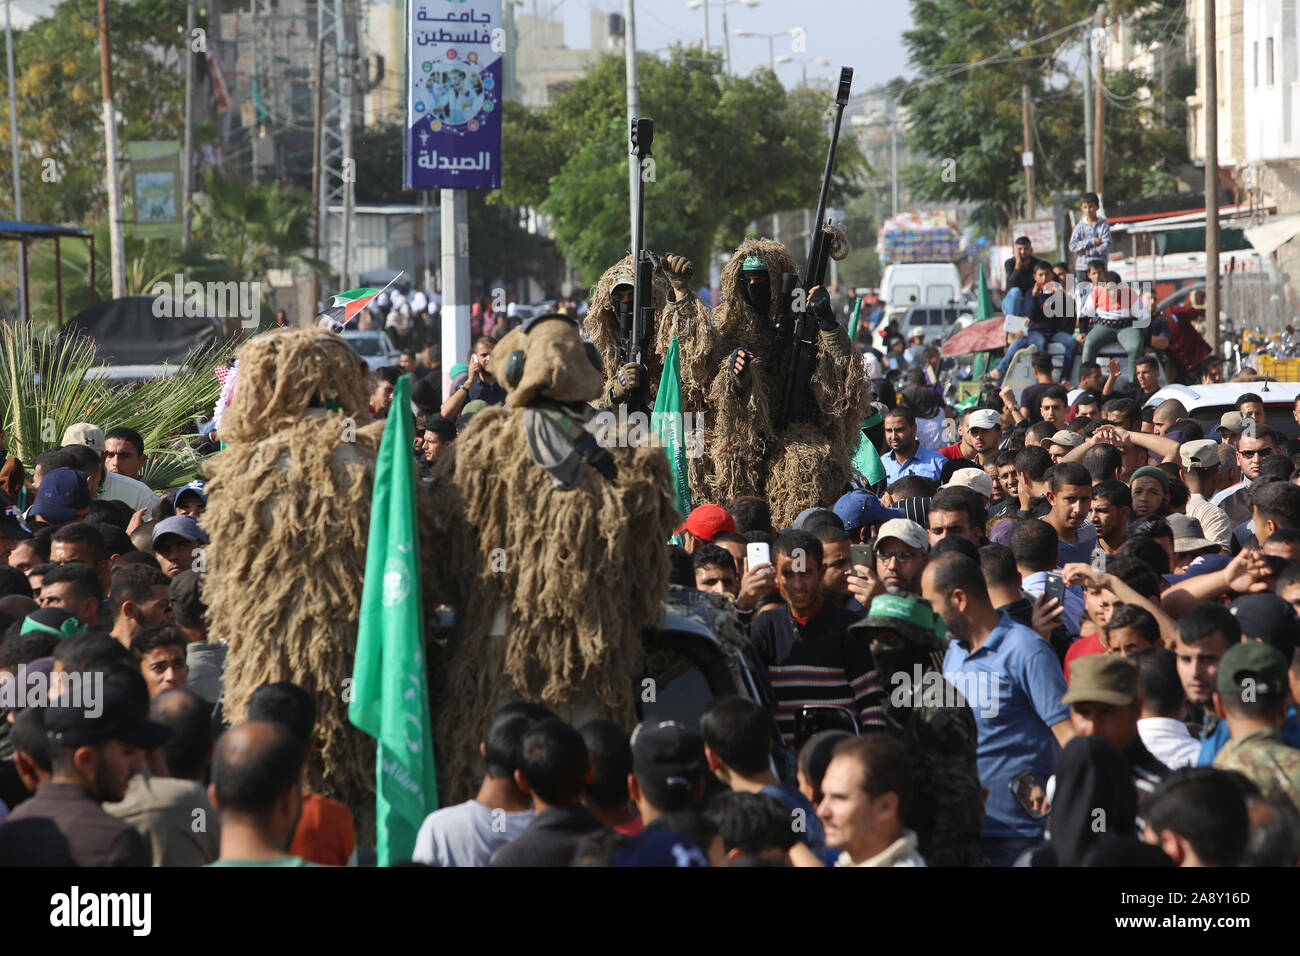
(708,521)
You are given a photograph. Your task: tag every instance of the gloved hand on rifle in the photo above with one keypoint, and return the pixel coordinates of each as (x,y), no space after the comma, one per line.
(819,304)
(627,381)
(679,270)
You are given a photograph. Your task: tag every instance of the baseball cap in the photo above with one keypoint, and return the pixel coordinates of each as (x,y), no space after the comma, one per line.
(1102,679)
(1066,438)
(911,618)
(625,278)
(665,751)
(708,521)
(1266,617)
(908,532)
(1203,453)
(858,509)
(195,486)
(182,526)
(1251,660)
(62,494)
(802,518)
(1188,535)
(123,715)
(1234,422)
(984,418)
(84,433)
(52,620)
(186,594)
(976,479)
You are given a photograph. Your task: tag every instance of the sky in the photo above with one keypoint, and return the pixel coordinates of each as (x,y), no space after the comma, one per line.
(864,34)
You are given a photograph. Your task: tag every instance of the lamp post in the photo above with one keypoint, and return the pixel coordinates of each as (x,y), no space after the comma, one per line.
(771,41)
(819,60)
(726,39)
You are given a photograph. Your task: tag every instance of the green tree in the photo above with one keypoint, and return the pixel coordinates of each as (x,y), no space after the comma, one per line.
(972,114)
(727,151)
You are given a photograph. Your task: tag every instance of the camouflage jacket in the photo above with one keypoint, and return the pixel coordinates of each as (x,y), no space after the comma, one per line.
(1263,758)
(938,731)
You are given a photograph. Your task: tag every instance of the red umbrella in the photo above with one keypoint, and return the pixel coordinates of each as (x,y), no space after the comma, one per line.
(979,337)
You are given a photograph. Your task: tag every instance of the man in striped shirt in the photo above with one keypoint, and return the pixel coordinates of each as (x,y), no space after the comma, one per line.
(805,649)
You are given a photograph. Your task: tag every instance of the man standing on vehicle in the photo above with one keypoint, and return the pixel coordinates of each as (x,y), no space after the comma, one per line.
(1020,277)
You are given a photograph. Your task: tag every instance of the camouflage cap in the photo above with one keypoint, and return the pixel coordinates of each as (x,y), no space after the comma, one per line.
(912,619)
(1252,661)
(1102,679)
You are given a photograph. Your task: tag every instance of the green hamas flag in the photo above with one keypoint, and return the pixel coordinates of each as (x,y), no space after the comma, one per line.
(866,460)
(853,322)
(669,427)
(984,301)
(390,687)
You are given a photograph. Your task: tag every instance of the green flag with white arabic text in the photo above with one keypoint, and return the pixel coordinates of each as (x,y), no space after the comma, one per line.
(390,687)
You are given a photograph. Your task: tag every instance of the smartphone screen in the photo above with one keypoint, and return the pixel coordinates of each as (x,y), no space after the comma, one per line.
(861,555)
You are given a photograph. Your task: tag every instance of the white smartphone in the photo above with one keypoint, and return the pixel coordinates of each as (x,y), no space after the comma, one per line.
(756,553)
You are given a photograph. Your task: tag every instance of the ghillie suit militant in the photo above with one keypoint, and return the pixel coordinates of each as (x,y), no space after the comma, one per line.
(288,514)
(549,547)
(808,463)
(678,312)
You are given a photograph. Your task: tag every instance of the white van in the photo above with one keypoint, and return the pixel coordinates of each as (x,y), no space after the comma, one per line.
(918,283)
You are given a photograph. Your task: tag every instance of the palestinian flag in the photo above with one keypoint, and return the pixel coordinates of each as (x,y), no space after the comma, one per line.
(345,306)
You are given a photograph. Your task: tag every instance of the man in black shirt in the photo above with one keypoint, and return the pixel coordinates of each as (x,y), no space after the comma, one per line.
(805,649)
(97,733)
(553,769)
(1020,277)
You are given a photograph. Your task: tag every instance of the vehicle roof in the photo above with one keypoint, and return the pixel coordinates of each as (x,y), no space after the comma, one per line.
(1207,396)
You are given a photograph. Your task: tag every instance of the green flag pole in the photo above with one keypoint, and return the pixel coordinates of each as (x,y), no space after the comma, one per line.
(390,686)
(669,426)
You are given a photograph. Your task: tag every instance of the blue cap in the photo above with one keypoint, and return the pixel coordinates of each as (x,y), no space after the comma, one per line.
(195,486)
(857,509)
(62,494)
(182,526)
(1205,564)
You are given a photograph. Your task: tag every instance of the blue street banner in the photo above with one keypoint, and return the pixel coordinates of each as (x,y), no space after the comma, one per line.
(453,94)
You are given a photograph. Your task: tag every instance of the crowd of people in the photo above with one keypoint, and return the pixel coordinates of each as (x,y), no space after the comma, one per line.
(1053,608)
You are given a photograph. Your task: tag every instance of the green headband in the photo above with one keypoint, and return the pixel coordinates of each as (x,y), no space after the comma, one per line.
(889,607)
(753,262)
(876,419)
(65,630)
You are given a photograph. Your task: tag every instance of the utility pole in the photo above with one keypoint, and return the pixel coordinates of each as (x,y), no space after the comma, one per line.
(1089,180)
(1099,101)
(187,152)
(1211,103)
(1027,151)
(317,158)
(726,42)
(633,100)
(454,211)
(893,164)
(345,132)
(706,24)
(13,143)
(115,238)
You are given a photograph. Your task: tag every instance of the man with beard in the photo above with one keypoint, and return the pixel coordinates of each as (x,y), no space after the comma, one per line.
(934,724)
(981,433)
(1014,685)
(808,461)
(92,759)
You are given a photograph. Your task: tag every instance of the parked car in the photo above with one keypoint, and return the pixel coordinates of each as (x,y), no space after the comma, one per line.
(373,346)
(1207,403)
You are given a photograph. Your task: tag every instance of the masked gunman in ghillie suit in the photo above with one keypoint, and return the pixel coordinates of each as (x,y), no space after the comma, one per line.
(678,312)
(549,547)
(808,463)
(933,721)
(288,514)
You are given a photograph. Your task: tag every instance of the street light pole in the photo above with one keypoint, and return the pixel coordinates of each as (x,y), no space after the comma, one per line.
(13,142)
(726,43)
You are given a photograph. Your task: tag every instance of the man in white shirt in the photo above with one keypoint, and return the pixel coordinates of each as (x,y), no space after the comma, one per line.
(1200,472)
(467,834)
(114,487)
(866,794)
(1161,692)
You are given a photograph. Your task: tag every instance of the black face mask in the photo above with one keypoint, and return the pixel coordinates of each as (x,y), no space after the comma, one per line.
(757,294)
(623,312)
